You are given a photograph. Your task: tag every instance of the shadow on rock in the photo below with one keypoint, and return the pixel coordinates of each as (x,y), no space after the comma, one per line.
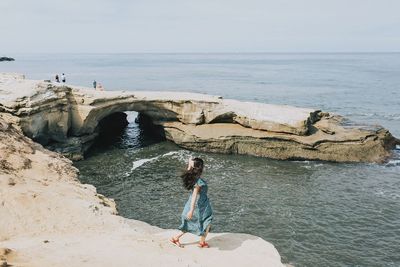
(229,241)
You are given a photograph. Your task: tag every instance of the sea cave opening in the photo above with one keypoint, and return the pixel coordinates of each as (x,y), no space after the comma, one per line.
(125,130)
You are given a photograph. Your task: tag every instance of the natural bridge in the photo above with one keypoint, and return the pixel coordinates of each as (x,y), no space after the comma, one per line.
(66,118)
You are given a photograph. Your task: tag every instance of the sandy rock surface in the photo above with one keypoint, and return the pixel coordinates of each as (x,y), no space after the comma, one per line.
(48,218)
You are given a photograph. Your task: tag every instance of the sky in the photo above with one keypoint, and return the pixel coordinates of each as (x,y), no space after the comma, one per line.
(201,26)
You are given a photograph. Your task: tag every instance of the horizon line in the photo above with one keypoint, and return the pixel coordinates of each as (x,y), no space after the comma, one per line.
(227,52)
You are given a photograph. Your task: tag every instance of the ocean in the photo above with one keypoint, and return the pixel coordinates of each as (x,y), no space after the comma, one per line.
(315,213)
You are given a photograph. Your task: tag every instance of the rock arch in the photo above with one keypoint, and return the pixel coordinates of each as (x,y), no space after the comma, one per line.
(67,117)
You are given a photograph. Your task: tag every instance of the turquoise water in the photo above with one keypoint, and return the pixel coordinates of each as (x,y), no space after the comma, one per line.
(315,213)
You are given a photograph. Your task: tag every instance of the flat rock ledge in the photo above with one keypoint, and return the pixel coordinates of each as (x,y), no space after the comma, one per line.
(66,119)
(48,218)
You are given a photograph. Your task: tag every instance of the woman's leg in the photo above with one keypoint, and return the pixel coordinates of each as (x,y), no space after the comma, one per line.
(203,237)
(175,239)
(179,235)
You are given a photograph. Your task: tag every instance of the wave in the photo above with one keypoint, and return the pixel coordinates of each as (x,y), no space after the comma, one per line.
(393,163)
(387,116)
(136,164)
(140,162)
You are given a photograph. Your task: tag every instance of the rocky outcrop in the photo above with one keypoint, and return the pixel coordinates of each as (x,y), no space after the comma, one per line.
(48,218)
(66,118)
(348,145)
(6,59)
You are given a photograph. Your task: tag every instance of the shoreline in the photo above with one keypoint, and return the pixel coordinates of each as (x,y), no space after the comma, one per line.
(61,222)
(50,219)
(69,118)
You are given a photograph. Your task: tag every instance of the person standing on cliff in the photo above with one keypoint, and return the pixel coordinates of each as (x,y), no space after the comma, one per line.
(63,78)
(197,214)
(57,78)
(94,84)
(99,87)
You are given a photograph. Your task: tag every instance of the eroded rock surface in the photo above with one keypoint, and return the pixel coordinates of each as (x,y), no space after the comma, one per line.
(66,119)
(48,218)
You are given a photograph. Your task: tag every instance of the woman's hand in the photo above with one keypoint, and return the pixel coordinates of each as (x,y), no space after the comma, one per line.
(190,163)
(189,215)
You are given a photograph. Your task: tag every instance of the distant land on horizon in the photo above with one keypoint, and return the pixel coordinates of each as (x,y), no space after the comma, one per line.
(202,53)
(7,59)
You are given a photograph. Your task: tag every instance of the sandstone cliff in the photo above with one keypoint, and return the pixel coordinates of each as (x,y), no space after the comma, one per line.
(66,119)
(47,218)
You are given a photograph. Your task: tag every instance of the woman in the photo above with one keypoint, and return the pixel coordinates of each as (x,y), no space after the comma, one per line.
(197,214)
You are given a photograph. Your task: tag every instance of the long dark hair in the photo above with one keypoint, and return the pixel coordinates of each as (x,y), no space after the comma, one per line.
(190,176)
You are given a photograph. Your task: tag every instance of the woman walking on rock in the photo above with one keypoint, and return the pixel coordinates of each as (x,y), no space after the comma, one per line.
(197,213)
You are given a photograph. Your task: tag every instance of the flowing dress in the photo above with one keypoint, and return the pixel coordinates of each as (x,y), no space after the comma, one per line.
(202,215)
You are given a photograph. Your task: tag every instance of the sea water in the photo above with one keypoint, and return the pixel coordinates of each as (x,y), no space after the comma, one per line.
(315,213)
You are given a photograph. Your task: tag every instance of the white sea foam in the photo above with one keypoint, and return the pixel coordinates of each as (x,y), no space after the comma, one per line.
(302,161)
(136,164)
(393,163)
(171,153)
(140,162)
(181,155)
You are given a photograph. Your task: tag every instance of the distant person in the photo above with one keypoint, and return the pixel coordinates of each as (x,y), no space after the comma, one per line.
(94,84)
(99,87)
(57,78)
(197,214)
(63,78)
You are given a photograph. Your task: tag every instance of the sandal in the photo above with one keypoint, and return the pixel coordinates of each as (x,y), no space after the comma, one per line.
(203,245)
(176,242)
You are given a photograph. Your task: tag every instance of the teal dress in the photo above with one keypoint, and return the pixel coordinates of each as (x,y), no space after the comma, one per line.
(202,215)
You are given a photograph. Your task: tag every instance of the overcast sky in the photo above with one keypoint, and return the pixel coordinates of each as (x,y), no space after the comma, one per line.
(199,26)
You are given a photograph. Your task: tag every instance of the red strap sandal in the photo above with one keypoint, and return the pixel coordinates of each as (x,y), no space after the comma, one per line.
(203,245)
(176,242)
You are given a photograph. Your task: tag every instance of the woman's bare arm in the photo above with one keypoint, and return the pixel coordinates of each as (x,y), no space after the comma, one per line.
(196,190)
